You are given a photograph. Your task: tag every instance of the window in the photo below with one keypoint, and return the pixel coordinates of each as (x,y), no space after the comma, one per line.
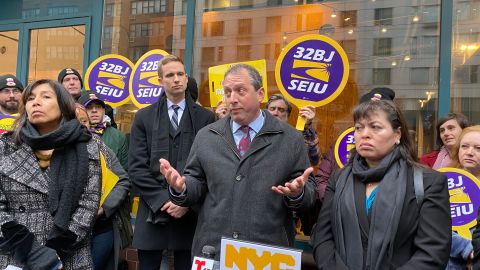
(381,76)
(107,32)
(148,7)
(278,49)
(431,14)
(382,46)
(220,54)
(141,30)
(420,75)
(313,21)
(413,46)
(383,16)
(430,44)
(216,28)
(274,24)
(299,22)
(243,52)
(244,26)
(183,31)
(348,18)
(350,47)
(109,10)
(267,51)
(467,74)
(208,54)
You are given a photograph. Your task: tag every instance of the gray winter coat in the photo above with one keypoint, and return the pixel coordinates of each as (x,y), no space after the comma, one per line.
(24,198)
(238,199)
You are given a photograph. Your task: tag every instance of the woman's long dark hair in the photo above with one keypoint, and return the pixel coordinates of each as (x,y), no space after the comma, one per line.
(396,120)
(64,100)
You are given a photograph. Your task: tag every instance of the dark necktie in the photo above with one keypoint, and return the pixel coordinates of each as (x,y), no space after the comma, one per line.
(245,140)
(174,119)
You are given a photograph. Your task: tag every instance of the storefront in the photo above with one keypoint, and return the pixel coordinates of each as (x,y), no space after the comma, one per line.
(431,63)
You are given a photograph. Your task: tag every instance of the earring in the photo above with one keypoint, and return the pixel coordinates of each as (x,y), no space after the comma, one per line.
(397,142)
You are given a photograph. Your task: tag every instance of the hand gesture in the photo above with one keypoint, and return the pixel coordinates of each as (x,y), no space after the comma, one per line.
(221,110)
(174,210)
(308,113)
(174,179)
(295,187)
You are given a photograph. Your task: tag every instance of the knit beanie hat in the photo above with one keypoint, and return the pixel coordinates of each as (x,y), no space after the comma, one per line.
(9,80)
(68,71)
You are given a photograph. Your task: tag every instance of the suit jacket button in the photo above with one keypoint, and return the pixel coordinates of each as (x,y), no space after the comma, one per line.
(238,178)
(21,209)
(235,235)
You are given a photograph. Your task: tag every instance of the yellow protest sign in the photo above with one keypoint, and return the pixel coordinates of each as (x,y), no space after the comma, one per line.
(216,74)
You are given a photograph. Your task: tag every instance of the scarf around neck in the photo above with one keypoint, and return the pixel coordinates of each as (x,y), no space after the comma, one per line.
(68,167)
(443,159)
(385,213)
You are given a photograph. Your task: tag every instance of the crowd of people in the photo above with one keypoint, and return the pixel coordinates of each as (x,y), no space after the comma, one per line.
(67,175)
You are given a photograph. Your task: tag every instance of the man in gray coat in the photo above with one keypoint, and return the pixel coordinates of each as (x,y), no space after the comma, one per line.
(249,169)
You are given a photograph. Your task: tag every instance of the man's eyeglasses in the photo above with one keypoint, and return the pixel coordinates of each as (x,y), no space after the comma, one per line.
(8,91)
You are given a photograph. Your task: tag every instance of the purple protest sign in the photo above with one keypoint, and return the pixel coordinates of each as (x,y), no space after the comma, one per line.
(464,190)
(108,77)
(144,86)
(312,70)
(343,145)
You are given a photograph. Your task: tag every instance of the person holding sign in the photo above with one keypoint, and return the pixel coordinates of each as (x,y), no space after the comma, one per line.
(448,129)
(372,217)
(279,107)
(165,129)
(49,184)
(466,156)
(239,169)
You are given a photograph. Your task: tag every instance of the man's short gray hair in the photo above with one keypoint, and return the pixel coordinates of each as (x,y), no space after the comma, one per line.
(255,77)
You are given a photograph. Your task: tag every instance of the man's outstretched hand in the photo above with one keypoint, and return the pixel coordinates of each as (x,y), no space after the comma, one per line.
(174,179)
(294,188)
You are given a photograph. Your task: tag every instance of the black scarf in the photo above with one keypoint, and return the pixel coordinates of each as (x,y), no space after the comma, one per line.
(68,168)
(385,212)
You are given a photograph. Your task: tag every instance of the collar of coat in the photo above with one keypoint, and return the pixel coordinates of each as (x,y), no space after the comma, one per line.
(271,126)
(19,163)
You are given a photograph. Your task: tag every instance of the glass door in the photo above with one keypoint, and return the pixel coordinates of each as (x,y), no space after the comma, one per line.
(9,51)
(53,49)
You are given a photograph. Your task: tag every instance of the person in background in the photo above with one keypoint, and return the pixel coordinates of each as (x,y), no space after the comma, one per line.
(279,107)
(329,164)
(49,184)
(466,156)
(71,79)
(10,94)
(448,129)
(112,230)
(166,129)
(100,125)
(370,218)
(239,169)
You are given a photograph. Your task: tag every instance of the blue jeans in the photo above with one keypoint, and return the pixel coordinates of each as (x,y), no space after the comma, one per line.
(102,249)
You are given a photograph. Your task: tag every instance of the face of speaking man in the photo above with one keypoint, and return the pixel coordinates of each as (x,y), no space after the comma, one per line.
(242,100)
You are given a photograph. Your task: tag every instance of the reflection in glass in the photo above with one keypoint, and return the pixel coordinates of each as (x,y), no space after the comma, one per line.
(387,44)
(8,52)
(53,49)
(465,94)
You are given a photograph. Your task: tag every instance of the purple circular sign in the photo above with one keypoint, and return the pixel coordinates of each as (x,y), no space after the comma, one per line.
(464,196)
(108,77)
(312,68)
(144,86)
(343,145)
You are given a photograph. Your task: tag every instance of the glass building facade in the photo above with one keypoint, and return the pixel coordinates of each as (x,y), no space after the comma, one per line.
(425,50)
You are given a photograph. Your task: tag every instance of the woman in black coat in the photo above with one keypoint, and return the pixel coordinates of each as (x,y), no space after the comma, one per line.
(372,217)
